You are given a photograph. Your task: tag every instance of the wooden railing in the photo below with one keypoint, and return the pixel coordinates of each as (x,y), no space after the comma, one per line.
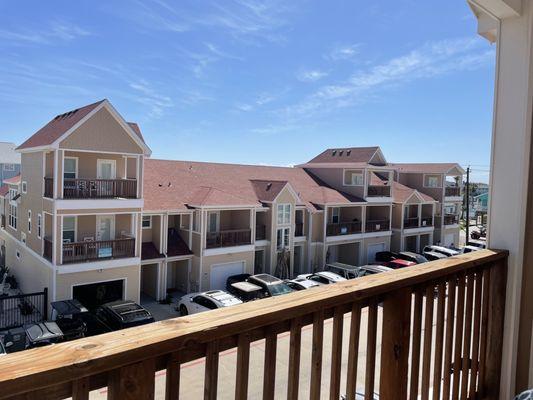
(228,238)
(433,330)
(427,221)
(343,228)
(49,187)
(377,225)
(452,191)
(410,222)
(94,188)
(378,191)
(98,250)
(260,232)
(48,249)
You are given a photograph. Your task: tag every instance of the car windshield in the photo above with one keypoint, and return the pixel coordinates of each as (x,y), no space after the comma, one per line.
(279,288)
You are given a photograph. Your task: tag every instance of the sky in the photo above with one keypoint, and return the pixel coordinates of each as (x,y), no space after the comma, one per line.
(257,82)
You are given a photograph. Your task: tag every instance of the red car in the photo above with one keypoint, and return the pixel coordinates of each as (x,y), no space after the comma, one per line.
(399,263)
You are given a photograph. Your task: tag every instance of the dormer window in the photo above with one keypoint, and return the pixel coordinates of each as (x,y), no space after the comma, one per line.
(353,177)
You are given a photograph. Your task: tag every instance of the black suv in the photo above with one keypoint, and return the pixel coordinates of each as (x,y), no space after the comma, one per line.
(123,314)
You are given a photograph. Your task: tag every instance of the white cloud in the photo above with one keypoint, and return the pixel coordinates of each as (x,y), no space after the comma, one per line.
(430,60)
(311,75)
(344,52)
(148,96)
(54,32)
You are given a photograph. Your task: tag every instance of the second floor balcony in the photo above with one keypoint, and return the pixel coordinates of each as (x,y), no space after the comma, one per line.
(228,238)
(343,228)
(94,188)
(378,191)
(450,219)
(377,225)
(452,191)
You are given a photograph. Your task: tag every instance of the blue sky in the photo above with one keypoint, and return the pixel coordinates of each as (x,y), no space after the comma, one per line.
(263,82)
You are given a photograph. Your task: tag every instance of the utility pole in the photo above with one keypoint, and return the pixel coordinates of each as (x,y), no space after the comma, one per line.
(467,205)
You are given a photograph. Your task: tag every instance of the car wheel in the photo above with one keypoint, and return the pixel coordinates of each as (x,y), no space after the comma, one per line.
(183,310)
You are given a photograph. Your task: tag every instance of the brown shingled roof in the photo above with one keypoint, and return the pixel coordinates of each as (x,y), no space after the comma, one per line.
(177,185)
(402,193)
(267,190)
(4,190)
(346,155)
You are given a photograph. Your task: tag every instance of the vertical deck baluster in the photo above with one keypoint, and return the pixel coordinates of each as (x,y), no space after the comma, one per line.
(316,354)
(371,350)
(211,371)
(336,355)
(294,359)
(135,381)
(415,353)
(172,391)
(353,350)
(80,389)
(484,325)
(439,339)
(467,335)
(475,339)
(428,336)
(243,364)
(458,336)
(269,378)
(448,345)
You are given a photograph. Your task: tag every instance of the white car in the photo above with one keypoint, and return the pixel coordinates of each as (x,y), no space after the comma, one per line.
(302,283)
(442,250)
(324,277)
(194,303)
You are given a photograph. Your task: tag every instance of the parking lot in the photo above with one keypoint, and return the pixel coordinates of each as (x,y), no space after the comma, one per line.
(192,374)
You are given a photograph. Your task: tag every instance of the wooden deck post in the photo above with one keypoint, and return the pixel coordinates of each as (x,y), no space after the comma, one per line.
(395,345)
(135,381)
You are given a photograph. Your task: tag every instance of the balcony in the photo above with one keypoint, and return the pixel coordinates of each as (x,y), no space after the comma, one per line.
(343,228)
(228,238)
(378,191)
(48,249)
(377,225)
(410,223)
(452,191)
(426,221)
(98,250)
(450,219)
(428,331)
(260,232)
(94,188)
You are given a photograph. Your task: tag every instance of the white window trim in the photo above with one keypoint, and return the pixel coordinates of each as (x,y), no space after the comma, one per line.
(39,226)
(429,186)
(283,222)
(11,166)
(217,222)
(75,227)
(359,171)
(29,221)
(76,159)
(285,245)
(13,216)
(24,187)
(99,163)
(142,222)
(333,214)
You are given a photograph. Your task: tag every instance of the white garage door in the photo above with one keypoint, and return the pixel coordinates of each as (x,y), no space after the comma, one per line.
(372,250)
(221,272)
(449,239)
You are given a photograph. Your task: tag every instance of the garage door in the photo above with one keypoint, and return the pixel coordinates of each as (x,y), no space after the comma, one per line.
(221,272)
(95,294)
(372,250)
(449,239)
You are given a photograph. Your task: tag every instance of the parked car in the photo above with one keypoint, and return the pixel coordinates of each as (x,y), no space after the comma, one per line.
(433,255)
(469,249)
(351,271)
(2,349)
(235,278)
(365,270)
(399,263)
(271,285)
(246,291)
(42,334)
(479,234)
(123,314)
(323,277)
(67,315)
(301,283)
(482,244)
(385,256)
(194,303)
(413,257)
(443,250)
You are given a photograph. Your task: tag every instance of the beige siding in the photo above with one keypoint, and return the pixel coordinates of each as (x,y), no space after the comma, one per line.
(335,178)
(101,132)
(209,261)
(87,163)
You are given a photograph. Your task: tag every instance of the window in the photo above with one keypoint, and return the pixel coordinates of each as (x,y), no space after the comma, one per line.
(432,181)
(24,187)
(69,229)
(147,221)
(70,168)
(39,225)
(213,222)
(23,237)
(12,193)
(18,254)
(13,215)
(283,235)
(9,167)
(196,221)
(353,178)
(29,221)
(284,214)
(335,212)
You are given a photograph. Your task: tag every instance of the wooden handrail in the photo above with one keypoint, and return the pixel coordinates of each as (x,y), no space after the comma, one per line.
(97,250)
(135,354)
